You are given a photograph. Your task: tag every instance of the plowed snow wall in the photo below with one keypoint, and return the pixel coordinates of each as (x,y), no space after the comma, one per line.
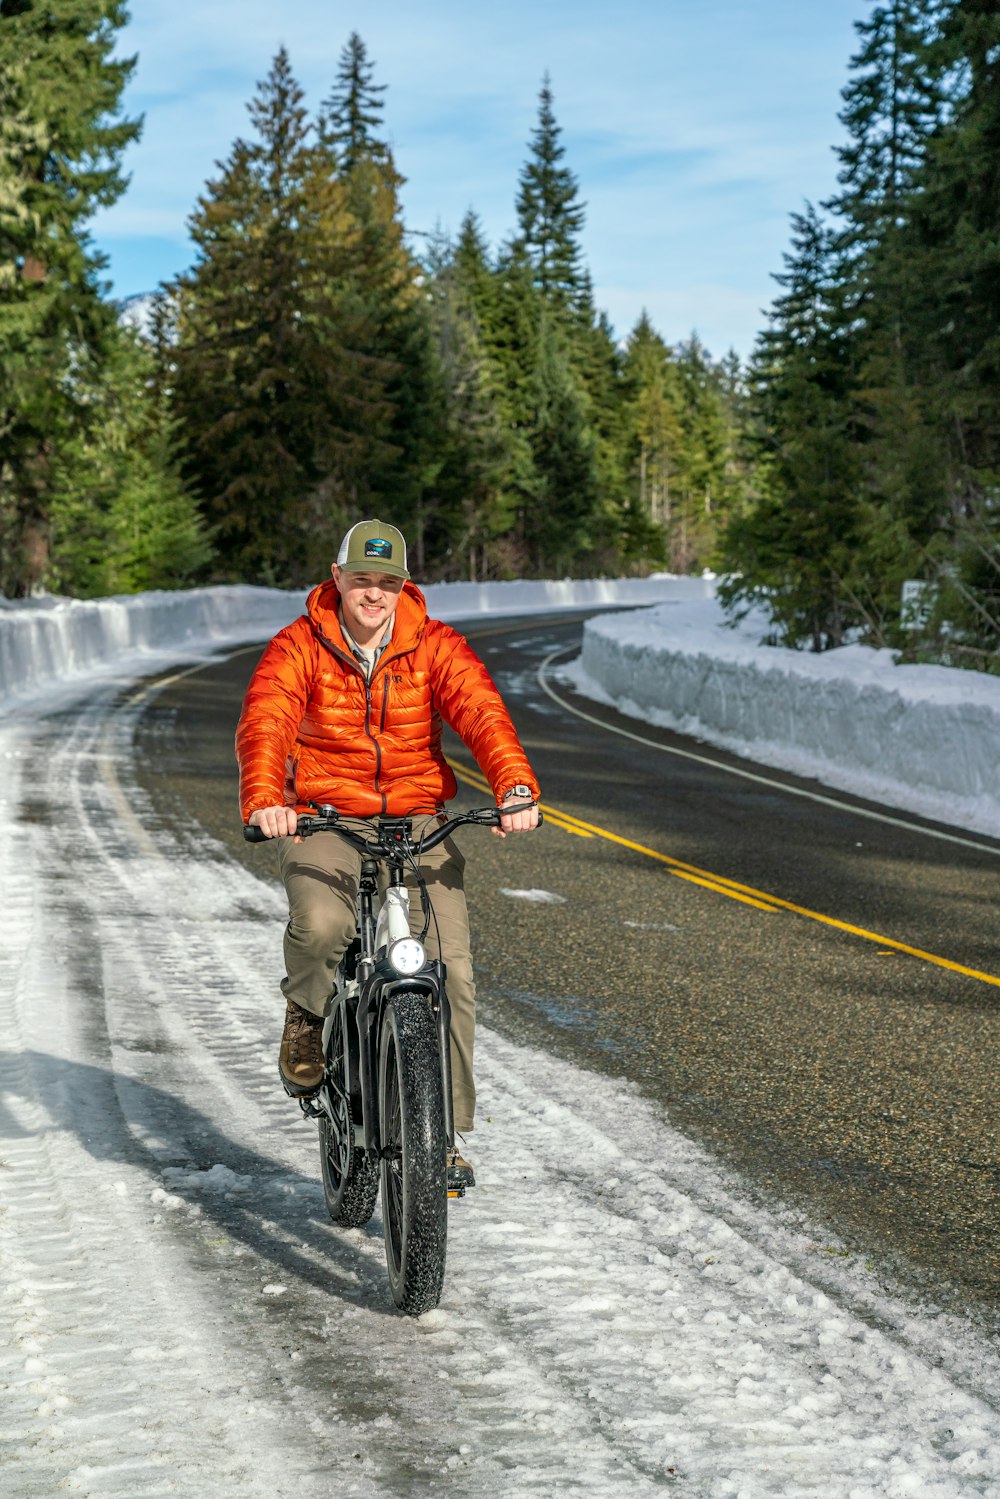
(51,640)
(922,737)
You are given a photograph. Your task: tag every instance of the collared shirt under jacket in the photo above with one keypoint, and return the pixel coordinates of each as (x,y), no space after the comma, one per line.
(313,729)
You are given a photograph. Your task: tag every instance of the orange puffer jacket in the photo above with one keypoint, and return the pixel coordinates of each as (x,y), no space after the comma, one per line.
(312,729)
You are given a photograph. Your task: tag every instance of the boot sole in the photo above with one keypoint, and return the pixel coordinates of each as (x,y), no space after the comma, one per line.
(298,1090)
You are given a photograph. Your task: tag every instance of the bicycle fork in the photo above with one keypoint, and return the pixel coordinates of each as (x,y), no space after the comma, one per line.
(393,923)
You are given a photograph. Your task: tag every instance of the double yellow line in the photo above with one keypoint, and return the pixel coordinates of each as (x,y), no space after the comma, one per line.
(746,894)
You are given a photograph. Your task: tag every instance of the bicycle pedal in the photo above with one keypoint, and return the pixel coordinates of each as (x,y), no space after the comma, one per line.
(301,1095)
(456,1191)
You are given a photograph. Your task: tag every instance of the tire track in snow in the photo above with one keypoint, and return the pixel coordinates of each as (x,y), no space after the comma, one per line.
(92,1345)
(150,984)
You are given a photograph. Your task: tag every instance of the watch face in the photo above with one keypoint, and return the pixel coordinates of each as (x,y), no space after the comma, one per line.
(523,792)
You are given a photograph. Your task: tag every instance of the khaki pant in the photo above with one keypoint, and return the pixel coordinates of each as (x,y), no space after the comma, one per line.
(321,877)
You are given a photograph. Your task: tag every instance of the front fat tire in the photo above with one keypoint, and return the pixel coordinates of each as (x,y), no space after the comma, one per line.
(414,1171)
(350,1175)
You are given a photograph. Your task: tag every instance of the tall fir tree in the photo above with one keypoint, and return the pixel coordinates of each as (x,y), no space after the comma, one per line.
(512,334)
(955,241)
(282,406)
(892,104)
(121,517)
(62,138)
(563,528)
(351,118)
(654,431)
(387,287)
(793,548)
(953,238)
(468,536)
(549,213)
(683,432)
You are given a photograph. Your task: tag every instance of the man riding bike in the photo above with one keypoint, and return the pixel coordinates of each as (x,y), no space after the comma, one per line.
(345,707)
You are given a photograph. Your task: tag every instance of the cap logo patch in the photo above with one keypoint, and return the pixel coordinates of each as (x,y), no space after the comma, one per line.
(378,548)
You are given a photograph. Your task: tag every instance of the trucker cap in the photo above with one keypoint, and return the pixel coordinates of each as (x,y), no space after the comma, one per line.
(373,547)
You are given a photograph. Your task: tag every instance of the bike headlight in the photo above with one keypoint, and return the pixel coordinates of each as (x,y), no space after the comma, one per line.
(407,956)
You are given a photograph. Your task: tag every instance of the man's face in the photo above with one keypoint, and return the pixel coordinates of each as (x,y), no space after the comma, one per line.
(369,600)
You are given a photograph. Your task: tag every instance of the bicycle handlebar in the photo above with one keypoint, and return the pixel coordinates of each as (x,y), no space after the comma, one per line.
(327,819)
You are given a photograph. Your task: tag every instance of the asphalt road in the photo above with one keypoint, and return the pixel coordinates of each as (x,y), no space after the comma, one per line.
(853,1081)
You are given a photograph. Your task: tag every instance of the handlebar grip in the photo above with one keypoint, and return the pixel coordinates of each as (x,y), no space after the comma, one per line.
(254,834)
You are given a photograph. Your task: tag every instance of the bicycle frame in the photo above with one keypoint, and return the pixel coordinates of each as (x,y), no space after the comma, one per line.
(362,1000)
(385,1116)
(383,919)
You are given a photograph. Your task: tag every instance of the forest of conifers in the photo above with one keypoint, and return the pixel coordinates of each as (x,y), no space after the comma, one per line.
(322,361)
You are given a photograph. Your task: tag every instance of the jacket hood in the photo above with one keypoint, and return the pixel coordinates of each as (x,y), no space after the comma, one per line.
(408,625)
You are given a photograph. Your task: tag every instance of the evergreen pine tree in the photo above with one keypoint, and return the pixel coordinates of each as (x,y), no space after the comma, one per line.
(281,409)
(477,500)
(513,336)
(351,118)
(892,104)
(121,517)
(62,138)
(953,241)
(709,483)
(563,527)
(387,287)
(655,432)
(792,550)
(549,212)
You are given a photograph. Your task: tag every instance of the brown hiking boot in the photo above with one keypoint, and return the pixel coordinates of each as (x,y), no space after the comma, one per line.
(460,1172)
(300,1060)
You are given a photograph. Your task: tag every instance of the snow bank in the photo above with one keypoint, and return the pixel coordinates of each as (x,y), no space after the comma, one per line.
(51,640)
(461,600)
(922,738)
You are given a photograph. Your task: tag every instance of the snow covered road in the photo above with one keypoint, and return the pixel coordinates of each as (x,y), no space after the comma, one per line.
(179,1317)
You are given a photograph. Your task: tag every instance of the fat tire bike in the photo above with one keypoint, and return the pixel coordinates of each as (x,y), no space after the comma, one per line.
(384,1105)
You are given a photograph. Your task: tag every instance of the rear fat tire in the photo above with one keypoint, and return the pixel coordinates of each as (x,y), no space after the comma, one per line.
(414,1171)
(350,1175)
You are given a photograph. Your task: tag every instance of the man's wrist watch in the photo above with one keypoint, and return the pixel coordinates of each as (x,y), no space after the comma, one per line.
(523,794)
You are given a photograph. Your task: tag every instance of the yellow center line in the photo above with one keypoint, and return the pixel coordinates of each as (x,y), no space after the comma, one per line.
(747,900)
(752,896)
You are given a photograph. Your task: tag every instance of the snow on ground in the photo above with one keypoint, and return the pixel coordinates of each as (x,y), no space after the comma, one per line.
(178,1312)
(179,1317)
(923,738)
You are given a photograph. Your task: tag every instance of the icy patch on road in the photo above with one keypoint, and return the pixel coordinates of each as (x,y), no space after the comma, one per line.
(540,897)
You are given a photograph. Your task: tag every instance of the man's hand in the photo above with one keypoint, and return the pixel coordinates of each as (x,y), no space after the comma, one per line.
(516,821)
(275,822)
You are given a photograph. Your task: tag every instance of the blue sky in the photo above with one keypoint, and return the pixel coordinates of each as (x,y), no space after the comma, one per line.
(694,127)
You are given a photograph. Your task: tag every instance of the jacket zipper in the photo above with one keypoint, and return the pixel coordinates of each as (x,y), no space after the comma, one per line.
(350,661)
(374,740)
